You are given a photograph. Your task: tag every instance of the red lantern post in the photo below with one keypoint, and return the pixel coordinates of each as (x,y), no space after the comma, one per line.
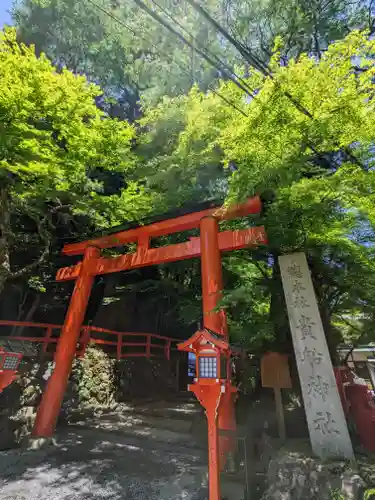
(211,383)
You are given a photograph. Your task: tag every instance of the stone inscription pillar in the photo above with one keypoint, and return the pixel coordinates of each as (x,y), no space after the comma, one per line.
(325,417)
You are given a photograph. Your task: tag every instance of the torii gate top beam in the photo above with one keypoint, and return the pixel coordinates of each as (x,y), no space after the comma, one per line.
(146,256)
(228,240)
(169,226)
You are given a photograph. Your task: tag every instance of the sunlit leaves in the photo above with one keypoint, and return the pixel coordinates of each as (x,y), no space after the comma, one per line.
(59,151)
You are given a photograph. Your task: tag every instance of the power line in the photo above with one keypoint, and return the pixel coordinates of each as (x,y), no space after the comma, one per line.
(212,55)
(261,66)
(168,56)
(109,14)
(248,56)
(228,102)
(184,40)
(252,59)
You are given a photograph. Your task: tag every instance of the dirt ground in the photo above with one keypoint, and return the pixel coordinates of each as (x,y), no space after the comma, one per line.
(98,464)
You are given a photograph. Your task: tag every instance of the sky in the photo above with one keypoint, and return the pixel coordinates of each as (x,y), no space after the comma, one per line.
(5,5)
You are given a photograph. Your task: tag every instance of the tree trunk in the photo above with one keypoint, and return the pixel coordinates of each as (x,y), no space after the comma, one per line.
(278,312)
(29,316)
(329,331)
(4,237)
(22,298)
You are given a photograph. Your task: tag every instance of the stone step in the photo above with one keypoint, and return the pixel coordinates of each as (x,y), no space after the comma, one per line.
(232,489)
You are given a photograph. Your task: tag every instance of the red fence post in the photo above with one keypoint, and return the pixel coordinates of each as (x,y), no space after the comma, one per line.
(84,340)
(148,347)
(119,346)
(168,349)
(47,337)
(50,405)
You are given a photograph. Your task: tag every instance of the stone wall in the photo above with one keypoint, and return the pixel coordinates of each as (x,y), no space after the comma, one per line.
(18,402)
(296,475)
(145,378)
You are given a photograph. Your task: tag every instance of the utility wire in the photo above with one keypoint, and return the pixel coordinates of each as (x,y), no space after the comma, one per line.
(184,40)
(165,54)
(251,58)
(212,55)
(261,66)
(228,101)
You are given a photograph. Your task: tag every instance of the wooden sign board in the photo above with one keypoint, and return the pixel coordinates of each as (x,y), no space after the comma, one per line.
(275,371)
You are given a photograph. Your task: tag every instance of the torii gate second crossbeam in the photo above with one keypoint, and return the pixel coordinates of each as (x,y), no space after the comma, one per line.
(209,245)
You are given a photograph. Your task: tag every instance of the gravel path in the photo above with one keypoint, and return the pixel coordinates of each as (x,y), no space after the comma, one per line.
(95,464)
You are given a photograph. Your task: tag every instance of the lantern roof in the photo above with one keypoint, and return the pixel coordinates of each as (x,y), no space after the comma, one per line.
(203,337)
(9,353)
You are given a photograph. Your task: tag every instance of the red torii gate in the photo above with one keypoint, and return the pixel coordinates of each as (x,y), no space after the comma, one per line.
(209,245)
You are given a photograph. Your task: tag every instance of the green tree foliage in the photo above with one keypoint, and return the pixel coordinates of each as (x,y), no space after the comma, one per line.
(141,60)
(56,149)
(305,26)
(178,171)
(307,137)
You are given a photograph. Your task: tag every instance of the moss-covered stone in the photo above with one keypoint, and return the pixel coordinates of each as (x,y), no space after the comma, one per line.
(92,381)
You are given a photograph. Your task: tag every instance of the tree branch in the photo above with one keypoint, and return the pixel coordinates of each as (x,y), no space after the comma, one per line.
(4,235)
(45,237)
(262,271)
(362,333)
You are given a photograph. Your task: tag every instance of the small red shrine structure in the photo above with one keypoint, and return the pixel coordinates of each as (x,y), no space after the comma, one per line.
(358,405)
(208,246)
(9,363)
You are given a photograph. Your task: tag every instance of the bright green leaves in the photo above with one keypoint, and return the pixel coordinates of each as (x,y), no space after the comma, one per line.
(54,139)
(59,153)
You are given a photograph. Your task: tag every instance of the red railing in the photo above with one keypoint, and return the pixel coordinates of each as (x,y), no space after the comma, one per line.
(146,346)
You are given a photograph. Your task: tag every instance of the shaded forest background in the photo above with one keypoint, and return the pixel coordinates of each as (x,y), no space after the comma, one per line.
(122,120)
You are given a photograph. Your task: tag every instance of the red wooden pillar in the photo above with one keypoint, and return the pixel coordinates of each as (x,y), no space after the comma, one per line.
(216,321)
(168,350)
(148,346)
(212,277)
(50,405)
